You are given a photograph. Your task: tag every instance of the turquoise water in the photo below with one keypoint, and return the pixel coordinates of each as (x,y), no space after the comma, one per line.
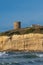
(21,58)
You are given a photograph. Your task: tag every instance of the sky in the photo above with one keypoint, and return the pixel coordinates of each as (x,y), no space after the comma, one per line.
(28,12)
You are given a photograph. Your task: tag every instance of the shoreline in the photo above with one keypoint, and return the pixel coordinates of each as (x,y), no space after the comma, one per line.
(21,51)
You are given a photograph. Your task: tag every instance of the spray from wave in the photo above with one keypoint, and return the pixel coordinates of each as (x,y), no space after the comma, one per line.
(2,53)
(39,55)
(21,54)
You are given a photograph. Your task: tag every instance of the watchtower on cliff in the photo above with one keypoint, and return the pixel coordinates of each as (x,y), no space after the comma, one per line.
(17,25)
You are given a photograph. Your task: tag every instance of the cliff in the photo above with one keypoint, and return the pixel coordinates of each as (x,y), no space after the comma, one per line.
(23,39)
(24,42)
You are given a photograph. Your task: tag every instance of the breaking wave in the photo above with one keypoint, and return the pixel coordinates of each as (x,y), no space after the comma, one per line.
(2,53)
(21,54)
(39,55)
(21,58)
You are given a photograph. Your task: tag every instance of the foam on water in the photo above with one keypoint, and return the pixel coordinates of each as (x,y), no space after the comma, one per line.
(21,58)
(2,53)
(39,55)
(22,54)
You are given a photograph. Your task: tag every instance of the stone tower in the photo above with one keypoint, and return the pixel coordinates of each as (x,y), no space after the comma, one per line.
(17,25)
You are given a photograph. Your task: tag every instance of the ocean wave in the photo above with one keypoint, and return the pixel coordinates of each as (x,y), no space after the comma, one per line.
(10,64)
(21,54)
(39,55)
(2,53)
(21,58)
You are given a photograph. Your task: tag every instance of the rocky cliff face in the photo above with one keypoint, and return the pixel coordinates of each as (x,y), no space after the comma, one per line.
(28,42)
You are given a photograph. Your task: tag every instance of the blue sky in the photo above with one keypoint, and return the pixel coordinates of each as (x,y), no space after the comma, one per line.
(27,11)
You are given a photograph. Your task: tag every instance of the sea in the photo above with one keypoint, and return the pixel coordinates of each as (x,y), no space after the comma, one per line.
(21,58)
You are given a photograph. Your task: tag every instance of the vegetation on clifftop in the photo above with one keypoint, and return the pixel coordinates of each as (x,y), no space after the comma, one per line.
(22,31)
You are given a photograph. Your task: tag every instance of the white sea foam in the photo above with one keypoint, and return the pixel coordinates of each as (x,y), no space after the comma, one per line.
(39,55)
(2,53)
